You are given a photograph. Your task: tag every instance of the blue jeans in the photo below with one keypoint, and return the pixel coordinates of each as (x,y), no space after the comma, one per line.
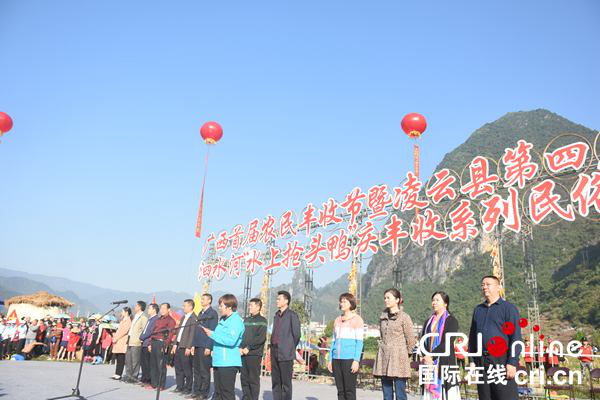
(391,385)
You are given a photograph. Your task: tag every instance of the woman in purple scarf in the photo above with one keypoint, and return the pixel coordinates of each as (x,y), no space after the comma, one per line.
(442,323)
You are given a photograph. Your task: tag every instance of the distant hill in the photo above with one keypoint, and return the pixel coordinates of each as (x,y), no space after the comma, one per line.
(13,286)
(88,298)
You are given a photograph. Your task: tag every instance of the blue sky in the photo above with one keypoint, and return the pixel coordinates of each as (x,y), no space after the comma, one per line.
(101,174)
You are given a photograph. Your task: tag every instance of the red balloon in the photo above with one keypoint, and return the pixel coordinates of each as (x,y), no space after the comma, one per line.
(211,132)
(6,123)
(414,125)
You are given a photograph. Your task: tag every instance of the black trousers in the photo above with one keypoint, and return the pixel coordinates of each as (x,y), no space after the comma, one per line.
(250,377)
(145,363)
(183,370)
(156,360)
(495,391)
(3,348)
(224,383)
(345,380)
(20,345)
(202,365)
(281,377)
(120,363)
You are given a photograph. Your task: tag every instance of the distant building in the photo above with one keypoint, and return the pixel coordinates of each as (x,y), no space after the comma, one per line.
(372,331)
(316,328)
(37,305)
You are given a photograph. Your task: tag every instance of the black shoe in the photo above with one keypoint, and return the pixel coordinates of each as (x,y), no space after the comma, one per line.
(177,390)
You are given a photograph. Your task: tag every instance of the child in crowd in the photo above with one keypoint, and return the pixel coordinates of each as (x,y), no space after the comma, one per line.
(62,353)
(72,344)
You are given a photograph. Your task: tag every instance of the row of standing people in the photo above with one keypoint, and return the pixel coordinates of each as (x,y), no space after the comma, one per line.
(228,344)
(393,361)
(202,342)
(57,338)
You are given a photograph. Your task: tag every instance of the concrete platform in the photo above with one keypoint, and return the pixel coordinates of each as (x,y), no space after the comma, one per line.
(41,380)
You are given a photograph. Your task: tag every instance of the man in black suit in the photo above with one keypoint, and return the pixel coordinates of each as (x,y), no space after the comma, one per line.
(284,339)
(207,318)
(182,349)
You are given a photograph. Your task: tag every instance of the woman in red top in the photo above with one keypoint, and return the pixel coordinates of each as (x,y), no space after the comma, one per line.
(460,349)
(585,359)
(72,344)
(528,356)
(106,344)
(552,360)
(541,352)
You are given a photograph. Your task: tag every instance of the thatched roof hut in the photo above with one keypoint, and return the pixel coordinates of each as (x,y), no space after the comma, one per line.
(37,305)
(40,299)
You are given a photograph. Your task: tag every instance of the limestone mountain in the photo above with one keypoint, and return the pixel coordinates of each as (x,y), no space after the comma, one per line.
(566,255)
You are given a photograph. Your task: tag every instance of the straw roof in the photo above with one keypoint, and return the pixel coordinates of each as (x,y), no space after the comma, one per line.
(40,299)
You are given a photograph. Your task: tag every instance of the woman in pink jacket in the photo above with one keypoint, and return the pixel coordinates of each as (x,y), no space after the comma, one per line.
(120,341)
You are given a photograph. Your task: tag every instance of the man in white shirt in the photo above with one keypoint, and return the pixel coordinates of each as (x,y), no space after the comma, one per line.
(182,349)
(134,344)
(10,332)
(22,330)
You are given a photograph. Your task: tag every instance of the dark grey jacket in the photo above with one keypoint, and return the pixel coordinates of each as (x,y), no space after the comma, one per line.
(208,319)
(289,334)
(189,331)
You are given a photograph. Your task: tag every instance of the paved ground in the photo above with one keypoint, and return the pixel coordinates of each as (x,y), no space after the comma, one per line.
(42,380)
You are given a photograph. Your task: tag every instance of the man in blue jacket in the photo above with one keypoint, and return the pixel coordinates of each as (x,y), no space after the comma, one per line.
(489,319)
(202,347)
(145,338)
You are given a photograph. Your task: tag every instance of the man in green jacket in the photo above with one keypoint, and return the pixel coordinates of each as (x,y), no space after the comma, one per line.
(251,349)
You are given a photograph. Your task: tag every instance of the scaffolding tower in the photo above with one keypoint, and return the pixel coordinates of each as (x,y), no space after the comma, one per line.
(308,290)
(533,310)
(247,293)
